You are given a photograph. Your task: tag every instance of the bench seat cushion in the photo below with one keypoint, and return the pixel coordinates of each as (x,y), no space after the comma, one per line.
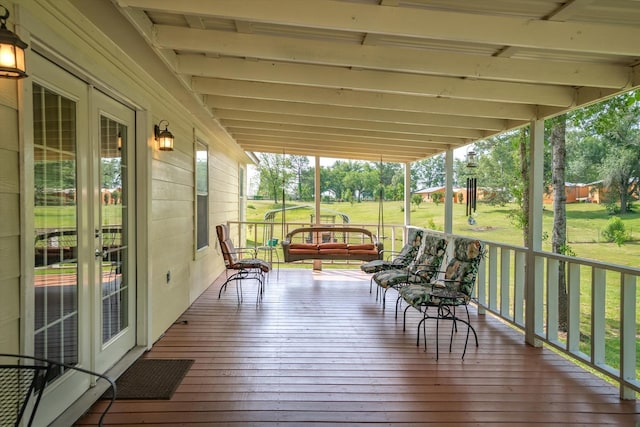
(333,251)
(307,246)
(325,246)
(363,247)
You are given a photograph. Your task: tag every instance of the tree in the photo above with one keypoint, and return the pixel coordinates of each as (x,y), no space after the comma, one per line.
(621,166)
(522,193)
(559,231)
(332,178)
(299,164)
(616,122)
(417,200)
(354,181)
(273,175)
(428,173)
(437,198)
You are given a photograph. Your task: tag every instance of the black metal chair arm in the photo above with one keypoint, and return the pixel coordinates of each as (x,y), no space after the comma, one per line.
(239,252)
(41,371)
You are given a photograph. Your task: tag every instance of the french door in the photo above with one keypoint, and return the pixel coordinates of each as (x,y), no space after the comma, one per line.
(83,212)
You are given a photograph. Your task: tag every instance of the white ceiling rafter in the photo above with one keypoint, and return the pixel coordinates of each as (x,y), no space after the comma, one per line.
(410,78)
(392,58)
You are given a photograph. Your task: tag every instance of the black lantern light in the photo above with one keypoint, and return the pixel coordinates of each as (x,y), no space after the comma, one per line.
(12,63)
(164,137)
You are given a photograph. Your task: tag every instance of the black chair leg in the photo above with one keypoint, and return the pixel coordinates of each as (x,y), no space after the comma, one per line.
(404,319)
(398,304)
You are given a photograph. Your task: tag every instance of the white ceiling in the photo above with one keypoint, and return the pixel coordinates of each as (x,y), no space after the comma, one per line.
(389,79)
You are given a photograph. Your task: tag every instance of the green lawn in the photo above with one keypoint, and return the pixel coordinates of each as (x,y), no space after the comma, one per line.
(585,223)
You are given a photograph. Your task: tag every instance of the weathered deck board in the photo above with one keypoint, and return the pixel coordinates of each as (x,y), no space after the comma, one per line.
(320,351)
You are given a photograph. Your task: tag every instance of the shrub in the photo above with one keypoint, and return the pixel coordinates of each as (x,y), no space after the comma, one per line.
(612,208)
(615,231)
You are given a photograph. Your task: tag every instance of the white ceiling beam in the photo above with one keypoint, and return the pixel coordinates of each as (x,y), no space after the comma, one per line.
(249,119)
(304,109)
(431,127)
(435,141)
(568,9)
(375,147)
(343,152)
(414,22)
(391,58)
(476,112)
(374,81)
(236,126)
(194,22)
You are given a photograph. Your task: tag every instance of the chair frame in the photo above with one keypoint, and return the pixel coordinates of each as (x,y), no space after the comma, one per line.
(245,268)
(396,259)
(43,371)
(447,296)
(411,270)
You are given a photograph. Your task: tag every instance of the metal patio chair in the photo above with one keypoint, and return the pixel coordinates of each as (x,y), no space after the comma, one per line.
(447,290)
(251,268)
(23,380)
(429,258)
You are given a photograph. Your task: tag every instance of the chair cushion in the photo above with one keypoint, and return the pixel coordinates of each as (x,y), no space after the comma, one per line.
(333,251)
(311,252)
(362,247)
(308,246)
(363,251)
(467,249)
(391,278)
(416,294)
(253,263)
(322,246)
(375,266)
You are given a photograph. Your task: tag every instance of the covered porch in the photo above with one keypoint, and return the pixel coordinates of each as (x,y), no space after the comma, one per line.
(319,350)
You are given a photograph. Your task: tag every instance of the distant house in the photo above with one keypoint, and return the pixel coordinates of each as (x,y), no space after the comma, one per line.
(427,194)
(579,193)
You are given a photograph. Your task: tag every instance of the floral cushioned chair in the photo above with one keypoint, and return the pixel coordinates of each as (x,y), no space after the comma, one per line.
(402,259)
(426,264)
(454,289)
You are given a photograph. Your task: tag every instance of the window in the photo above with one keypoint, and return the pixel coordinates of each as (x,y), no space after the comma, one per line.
(202,195)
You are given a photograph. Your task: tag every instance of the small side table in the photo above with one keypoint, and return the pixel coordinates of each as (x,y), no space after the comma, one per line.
(271,248)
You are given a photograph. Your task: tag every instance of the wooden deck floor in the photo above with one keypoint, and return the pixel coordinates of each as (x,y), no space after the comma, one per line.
(319,351)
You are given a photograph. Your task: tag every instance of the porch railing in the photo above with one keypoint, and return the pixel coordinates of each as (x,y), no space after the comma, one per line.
(601,303)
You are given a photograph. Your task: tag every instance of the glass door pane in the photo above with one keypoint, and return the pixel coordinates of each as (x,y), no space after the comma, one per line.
(56,226)
(113,219)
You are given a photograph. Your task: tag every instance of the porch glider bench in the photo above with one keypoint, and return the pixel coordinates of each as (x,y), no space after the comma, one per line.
(331,243)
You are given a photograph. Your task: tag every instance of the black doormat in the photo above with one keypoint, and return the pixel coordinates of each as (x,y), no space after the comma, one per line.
(151,379)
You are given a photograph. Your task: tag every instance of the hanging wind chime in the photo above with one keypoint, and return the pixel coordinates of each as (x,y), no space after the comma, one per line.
(380,206)
(283,195)
(472,187)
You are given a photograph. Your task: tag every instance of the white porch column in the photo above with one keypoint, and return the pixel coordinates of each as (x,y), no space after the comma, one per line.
(317,263)
(535,267)
(448,192)
(407,194)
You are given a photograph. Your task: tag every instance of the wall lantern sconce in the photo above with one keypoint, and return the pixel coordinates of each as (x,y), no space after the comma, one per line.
(164,137)
(472,159)
(12,64)
(119,141)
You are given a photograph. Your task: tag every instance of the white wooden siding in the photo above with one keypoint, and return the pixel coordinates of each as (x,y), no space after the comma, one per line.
(9,219)
(97,60)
